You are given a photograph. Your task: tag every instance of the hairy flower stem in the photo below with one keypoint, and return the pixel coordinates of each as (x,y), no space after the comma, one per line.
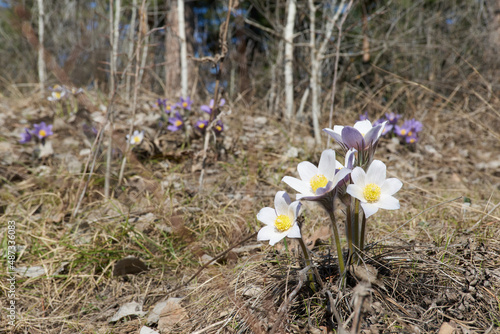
(357,235)
(349,228)
(362,236)
(308,263)
(337,242)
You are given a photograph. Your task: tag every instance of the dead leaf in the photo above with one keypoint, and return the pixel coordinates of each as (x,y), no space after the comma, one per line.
(126,310)
(171,314)
(447,328)
(147,330)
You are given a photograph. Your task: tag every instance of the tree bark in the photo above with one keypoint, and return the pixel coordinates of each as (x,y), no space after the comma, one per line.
(41,61)
(183,48)
(172,51)
(292,9)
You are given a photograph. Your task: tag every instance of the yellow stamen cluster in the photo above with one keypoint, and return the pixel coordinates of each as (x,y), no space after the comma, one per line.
(318,181)
(42,133)
(201,125)
(403,132)
(178,123)
(283,223)
(137,139)
(218,127)
(372,193)
(184,104)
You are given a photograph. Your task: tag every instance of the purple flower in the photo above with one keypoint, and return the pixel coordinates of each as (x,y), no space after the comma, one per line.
(176,122)
(25,136)
(219,127)
(364,116)
(210,107)
(161,103)
(201,124)
(360,137)
(165,106)
(42,130)
(392,118)
(185,103)
(411,139)
(409,128)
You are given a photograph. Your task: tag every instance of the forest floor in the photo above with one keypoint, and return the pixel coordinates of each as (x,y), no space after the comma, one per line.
(437,258)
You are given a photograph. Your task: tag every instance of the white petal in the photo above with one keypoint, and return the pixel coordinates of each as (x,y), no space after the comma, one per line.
(358,176)
(388,202)
(327,164)
(369,209)
(267,216)
(281,202)
(338,129)
(276,237)
(306,170)
(294,210)
(363,126)
(294,231)
(356,191)
(266,233)
(391,186)
(376,173)
(299,185)
(340,175)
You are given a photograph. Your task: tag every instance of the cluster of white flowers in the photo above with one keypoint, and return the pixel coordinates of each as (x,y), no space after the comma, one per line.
(361,179)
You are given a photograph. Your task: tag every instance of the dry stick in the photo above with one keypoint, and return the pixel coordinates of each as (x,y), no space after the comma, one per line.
(361,292)
(94,149)
(209,262)
(142,33)
(480,220)
(286,303)
(217,59)
(114,39)
(335,67)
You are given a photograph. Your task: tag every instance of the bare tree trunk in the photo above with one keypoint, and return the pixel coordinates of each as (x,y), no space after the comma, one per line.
(172,51)
(292,9)
(144,32)
(314,72)
(130,52)
(41,61)
(183,44)
(317,55)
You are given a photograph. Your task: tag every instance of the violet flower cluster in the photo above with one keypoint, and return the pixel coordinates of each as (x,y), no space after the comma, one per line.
(38,133)
(360,184)
(179,111)
(408,132)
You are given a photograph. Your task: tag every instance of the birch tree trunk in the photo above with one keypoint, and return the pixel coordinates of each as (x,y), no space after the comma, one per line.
(41,61)
(314,73)
(183,47)
(317,55)
(292,9)
(130,51)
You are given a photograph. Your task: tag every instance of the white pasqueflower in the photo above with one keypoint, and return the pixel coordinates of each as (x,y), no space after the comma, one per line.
(372,188)
(361,136)
(315,181)
(58,93)
(136,138)
(281,221)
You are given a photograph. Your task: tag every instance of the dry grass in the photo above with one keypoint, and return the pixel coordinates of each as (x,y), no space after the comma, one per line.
(440,267)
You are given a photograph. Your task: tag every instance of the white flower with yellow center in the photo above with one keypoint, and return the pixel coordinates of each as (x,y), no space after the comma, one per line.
(136,138)
(281,221)
(372,188)
(315,181)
